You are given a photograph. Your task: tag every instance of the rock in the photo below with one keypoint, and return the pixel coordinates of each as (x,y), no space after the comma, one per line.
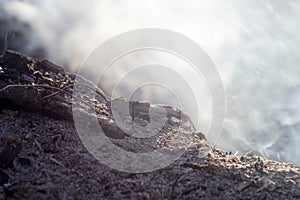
(139,110)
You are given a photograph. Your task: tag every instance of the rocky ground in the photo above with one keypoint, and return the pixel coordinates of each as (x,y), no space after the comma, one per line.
(42,155)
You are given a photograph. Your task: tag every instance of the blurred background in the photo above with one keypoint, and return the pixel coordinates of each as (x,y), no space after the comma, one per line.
(255,46)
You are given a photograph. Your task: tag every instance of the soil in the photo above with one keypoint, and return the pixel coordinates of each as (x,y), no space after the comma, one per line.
(43,157)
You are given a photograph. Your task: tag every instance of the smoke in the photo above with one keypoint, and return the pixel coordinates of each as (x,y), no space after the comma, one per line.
(254,45)
(263,107)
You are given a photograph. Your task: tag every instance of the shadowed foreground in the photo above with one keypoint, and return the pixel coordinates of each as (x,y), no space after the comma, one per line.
(42,156)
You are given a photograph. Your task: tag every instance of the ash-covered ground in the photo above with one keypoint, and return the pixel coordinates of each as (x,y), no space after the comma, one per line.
(42,156)
(254,45)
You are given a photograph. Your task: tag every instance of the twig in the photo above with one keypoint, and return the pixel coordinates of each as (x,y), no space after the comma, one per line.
(174,185)
(236,153)
(47,87)
(100,92)
(97,90)
(56,161)
(58,136)
(38,145)
(124,185)
(38,85)
(278,157)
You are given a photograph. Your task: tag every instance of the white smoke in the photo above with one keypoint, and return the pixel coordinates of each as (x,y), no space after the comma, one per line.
(254,44)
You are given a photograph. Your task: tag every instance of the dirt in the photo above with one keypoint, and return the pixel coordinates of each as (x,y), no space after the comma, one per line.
(43,157)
